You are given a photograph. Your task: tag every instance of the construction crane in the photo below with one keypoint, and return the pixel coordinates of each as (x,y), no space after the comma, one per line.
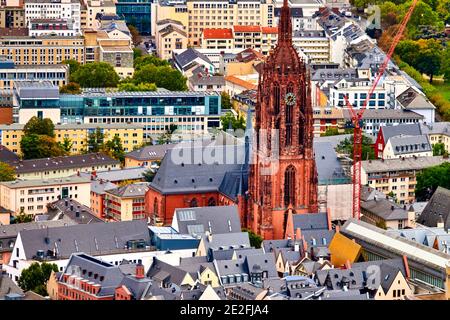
(357,116)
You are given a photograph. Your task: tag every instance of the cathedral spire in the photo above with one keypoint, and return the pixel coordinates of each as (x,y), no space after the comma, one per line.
(285,24)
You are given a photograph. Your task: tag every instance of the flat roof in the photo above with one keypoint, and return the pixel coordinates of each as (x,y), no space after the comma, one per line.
(410,163)
(396,244)
(44,182)
(78,126)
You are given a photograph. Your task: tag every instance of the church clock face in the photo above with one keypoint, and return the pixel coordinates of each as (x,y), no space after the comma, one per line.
(289,99)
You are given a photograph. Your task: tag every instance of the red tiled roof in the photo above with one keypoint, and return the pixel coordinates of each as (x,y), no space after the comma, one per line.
(242,83)
(247,28)
(269,29)
(217,34)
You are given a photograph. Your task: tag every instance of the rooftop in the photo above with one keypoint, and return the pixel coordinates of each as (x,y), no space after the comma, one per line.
(410,163)
(17,184)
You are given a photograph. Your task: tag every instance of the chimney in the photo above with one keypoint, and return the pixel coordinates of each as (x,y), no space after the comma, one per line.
(78,173)
(440,222)
(94,174)
(405,263)
(140,273)
(338,228)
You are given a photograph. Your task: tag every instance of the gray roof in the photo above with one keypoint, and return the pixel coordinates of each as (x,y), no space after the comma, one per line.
(12,230)
(153,152)
(227,241)
(386,114)
(402,129)
(436,128)
(439,205)
(385,209)
(247,265)
(8,287)
(44,182)
(321,237)
(162,272)
(310,221)
(411,99)
(7,156)
(329,167)
(410,144)
(100,186)
(336,279)
(175,176)
(217,219)
(119,175)
(62,163)
(130,190)
(185,58)
(423,235)
(410,163)
(72,210)
(94,239)
(199,79)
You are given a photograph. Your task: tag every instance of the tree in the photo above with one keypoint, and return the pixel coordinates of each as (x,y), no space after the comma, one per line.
(66,145)
(70,88)
(95,141)
(34,146)
(439,149)
(114,147)
(423,16)
(331,132)
(229,119)
(429,58)
(163,76)
(135,36)
(7,173)
(149,60)
(129,86)
(381,224)
(149,175)
(430,178)
(96,75)
(137,53)
(35,277)
(73,66)
(346,147)
(445,64)
(255,239)
(40,127)
(226,100)
(23,217)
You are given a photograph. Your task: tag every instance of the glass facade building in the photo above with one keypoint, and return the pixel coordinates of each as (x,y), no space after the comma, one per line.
(190,112)
(137,13)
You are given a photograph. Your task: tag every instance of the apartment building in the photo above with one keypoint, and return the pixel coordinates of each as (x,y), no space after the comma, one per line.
(327,118)
(302,13)
(397,175)
(52,27)
(191,112)
(32,196)
(374,119)
(438,132)
(170,35)
(126,203)
(67,10)
(137,13)
(204,14)
(91,8)
(58,74)
(407,146)
(166,10)
(12,14)
(27,50)
(314,44)
(78,133)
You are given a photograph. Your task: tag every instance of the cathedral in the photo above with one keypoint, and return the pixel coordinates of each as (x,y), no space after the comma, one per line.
(283,176)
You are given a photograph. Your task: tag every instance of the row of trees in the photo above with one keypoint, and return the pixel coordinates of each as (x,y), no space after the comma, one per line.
(150,73)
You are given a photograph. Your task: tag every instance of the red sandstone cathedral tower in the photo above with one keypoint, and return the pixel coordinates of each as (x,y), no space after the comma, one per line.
(288,181)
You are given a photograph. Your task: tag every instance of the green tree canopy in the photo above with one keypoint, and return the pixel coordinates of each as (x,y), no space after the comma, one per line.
(431,178)
(96,75)
(40,127)
(149,175)
(35,277)
(73,66)
(34,146)
(149,59)
(66,145)
(439,149)
(137,52)
(162,76)
(7,173)
(346,147)
(226,100)
(95,141)
(70,88)
(114,147)
(23,217)
(229,119)
(130,86)
(255,239)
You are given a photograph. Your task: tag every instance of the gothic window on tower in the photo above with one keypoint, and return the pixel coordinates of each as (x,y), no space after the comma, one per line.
(276,98)
(289,186)
(155,206)
(211,202)
(289,114)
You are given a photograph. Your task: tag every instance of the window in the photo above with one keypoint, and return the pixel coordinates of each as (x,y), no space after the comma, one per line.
(211,202)
(194,203)
(289,186)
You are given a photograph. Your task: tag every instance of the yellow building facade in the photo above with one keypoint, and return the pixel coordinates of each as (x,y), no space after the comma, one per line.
(130,135)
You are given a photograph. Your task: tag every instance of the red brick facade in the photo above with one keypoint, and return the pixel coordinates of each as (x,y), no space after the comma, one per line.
(284,106)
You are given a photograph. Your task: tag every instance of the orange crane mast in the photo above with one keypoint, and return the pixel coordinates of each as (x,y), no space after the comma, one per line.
(357,116)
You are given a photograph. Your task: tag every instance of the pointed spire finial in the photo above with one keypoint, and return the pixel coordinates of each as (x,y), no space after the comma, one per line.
(285,24)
